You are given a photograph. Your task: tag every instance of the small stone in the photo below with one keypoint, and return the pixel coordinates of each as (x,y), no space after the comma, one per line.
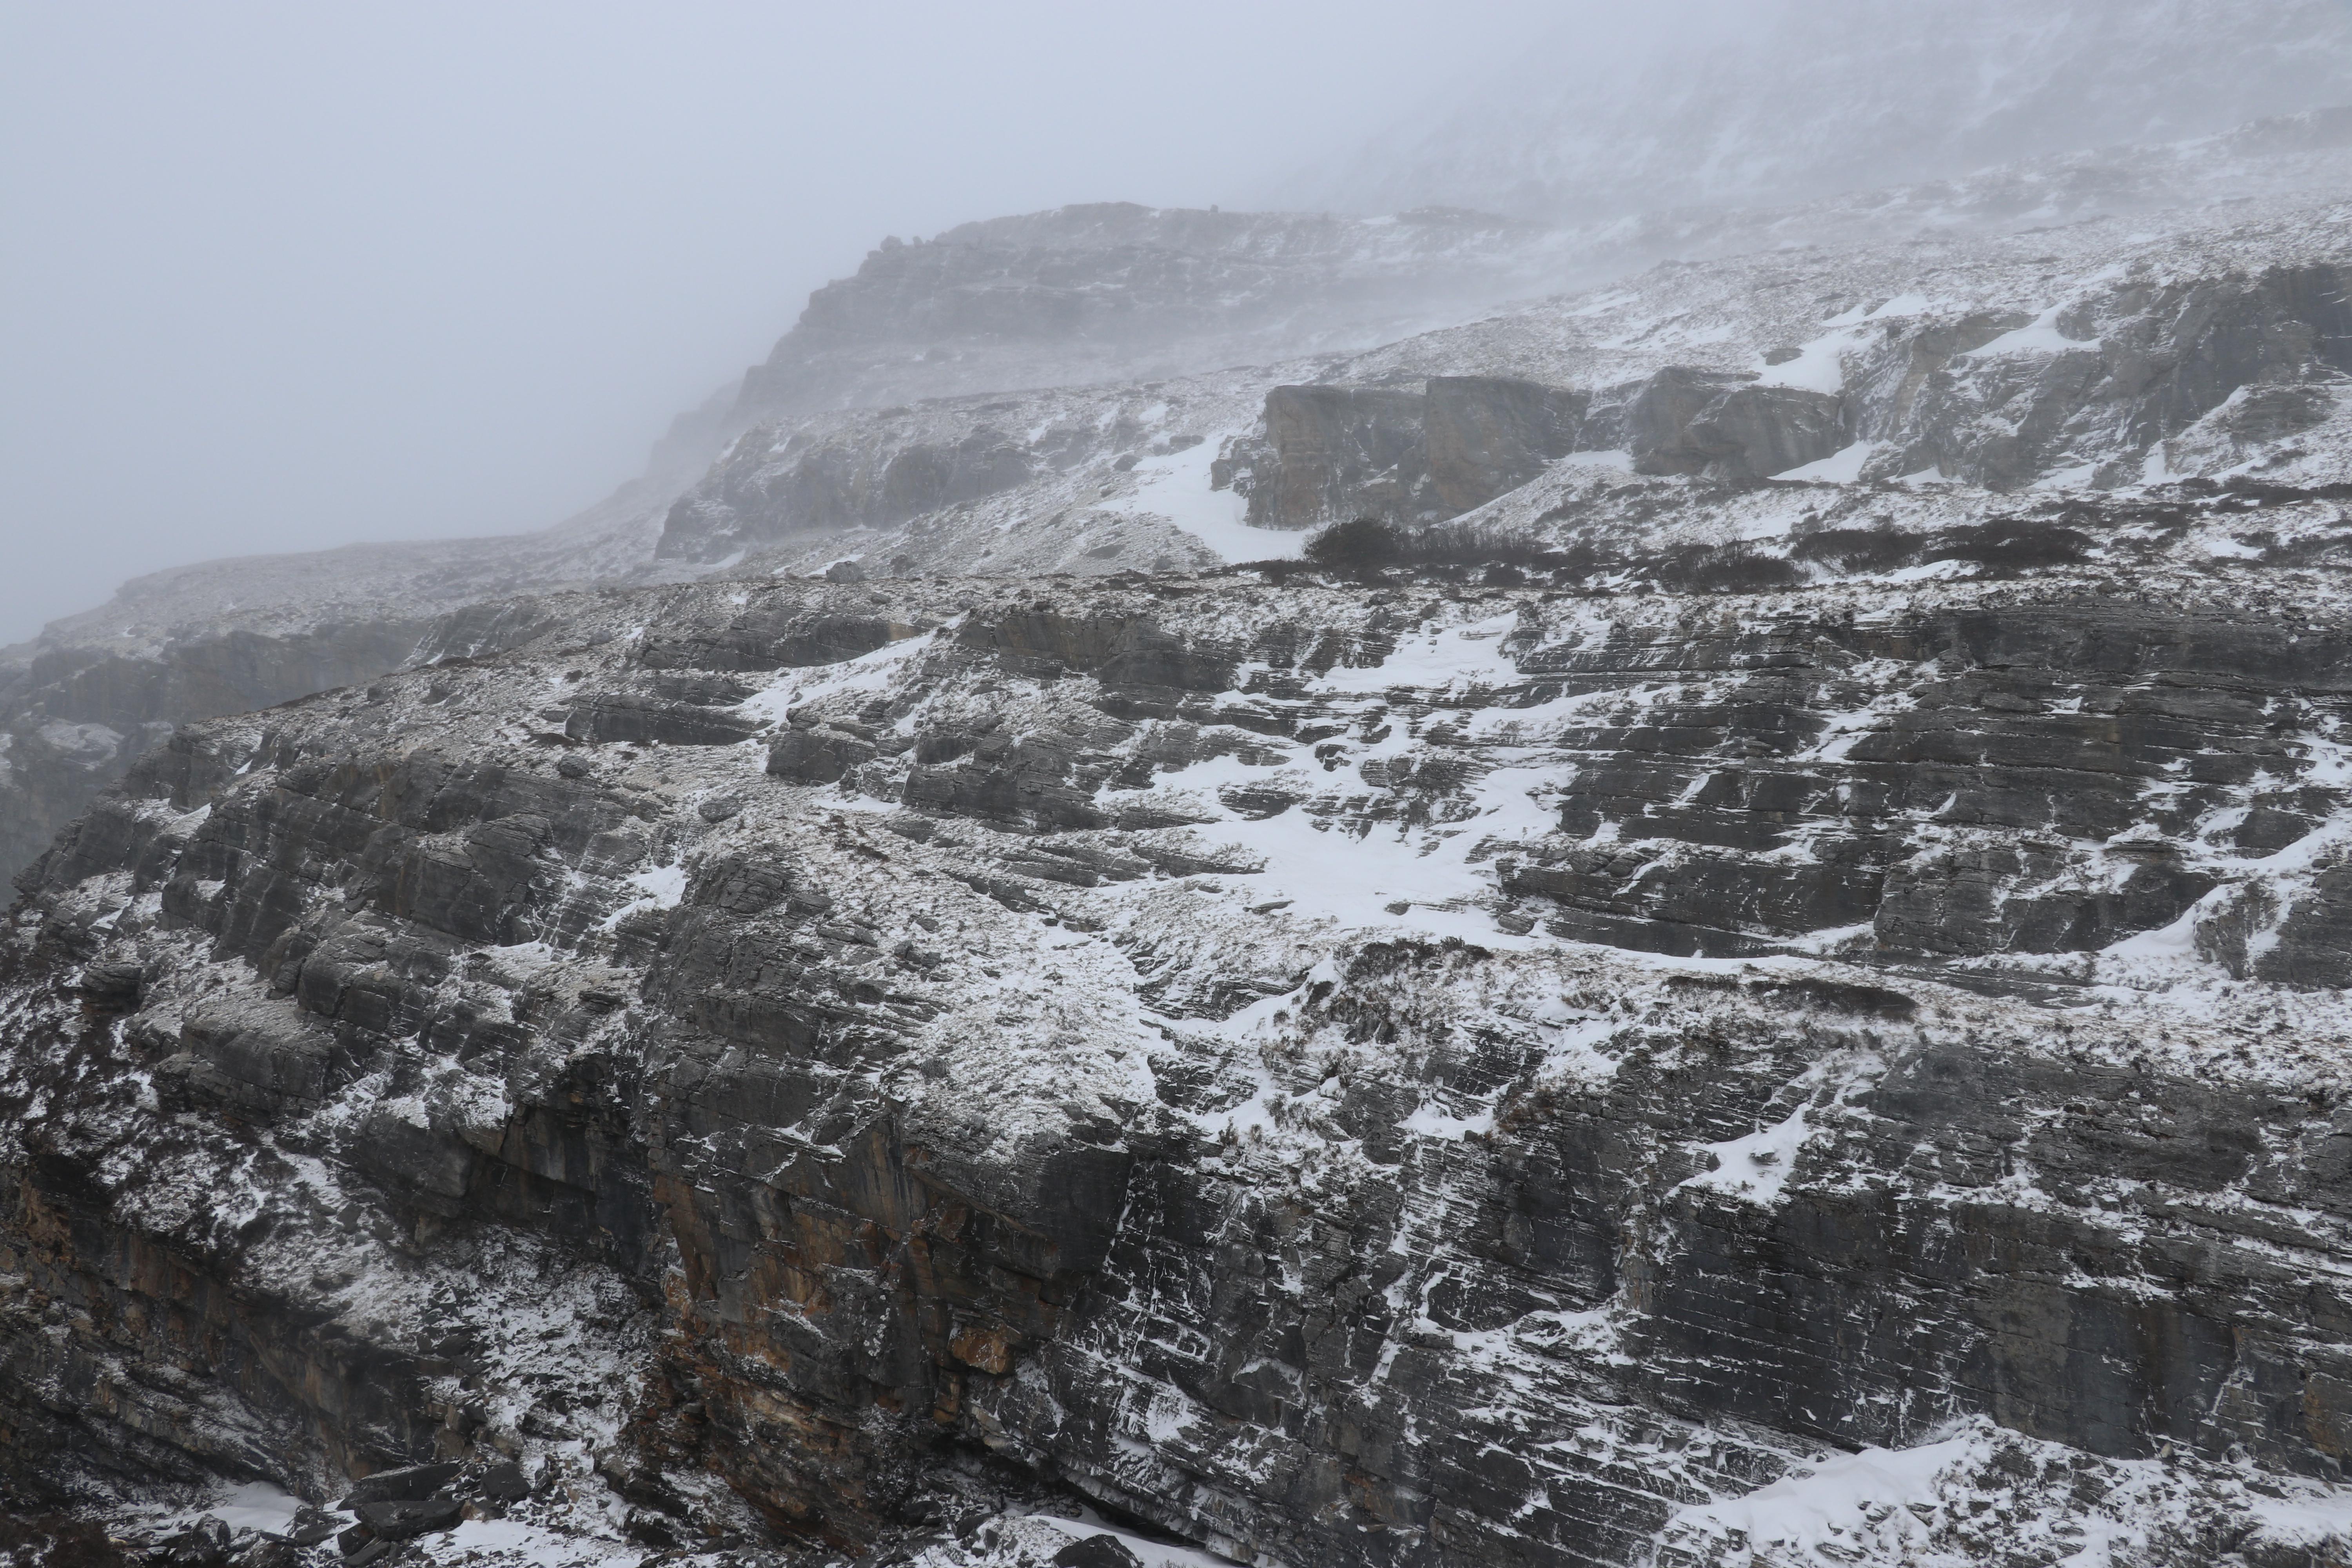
(401,1520)
(312,1526)
(505,1483)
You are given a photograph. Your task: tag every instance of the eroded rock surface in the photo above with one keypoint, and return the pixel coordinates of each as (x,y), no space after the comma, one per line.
(1220,1047)
(1761,983)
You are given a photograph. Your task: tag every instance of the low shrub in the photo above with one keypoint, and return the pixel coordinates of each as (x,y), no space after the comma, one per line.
(2011,544)
(1859,549)
(1364,544)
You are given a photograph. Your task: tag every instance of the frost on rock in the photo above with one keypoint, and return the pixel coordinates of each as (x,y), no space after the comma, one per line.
(1765,989)
(1712,1035)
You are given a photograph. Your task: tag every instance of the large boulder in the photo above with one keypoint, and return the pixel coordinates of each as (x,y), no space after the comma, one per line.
(1487,435)
(1726,425)
(1335,452)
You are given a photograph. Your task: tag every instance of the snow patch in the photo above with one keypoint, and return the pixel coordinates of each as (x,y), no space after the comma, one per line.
(658,888)
(1176,488)
(1757,1167)
(1820,365)
(256,1505)
(2039,336)
(1842,467)
(1839,1499)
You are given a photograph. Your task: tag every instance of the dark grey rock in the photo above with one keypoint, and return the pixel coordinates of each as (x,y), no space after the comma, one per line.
(313,1526)
(1719,426)
(1334,452)
(410,1483)
(402,1520)
(1096,1551)
(815,1202)
(205,1545)
(639,720)
(813,756)
(505,1482)
(1488,434)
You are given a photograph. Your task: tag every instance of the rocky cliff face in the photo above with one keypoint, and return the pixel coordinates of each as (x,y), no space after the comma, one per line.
(2080,358)
(78,716)
(1767,995)
(1113,291)
(1080,296)
(1102,298)
(1998,398)
(1226,1048)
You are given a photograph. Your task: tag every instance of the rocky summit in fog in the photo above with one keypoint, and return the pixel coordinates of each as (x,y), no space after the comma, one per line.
(1654,890)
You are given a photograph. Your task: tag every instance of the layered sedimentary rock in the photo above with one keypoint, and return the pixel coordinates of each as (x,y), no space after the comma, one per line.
(1996,399)
(1337,452)
(1105,296)
(1487,435)
(1221,1049)
(1770,993)
(1102,290)
(78,716)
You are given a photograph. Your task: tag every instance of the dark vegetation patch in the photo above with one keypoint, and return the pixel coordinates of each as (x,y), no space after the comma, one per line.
(1367,550)
(1375,959)
(2244,494)
(2006,546)
(2312,550)
(1879,549)
(2060,533)
(1736,568)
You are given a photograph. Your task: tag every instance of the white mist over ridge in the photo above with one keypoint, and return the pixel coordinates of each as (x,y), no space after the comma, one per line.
(279,277)
(1791,98)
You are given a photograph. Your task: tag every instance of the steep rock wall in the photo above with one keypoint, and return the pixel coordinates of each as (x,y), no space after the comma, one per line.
(74,719)
(998,1088)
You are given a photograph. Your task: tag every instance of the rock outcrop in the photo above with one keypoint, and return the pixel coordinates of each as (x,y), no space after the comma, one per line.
(76,717)
(1333,452)
(1999,399)
(1769,994)
(1110,290)
(1487,435)
(1221,1049)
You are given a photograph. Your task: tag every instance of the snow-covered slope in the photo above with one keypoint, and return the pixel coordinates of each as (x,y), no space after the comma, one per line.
(2107,353)
(1749,102)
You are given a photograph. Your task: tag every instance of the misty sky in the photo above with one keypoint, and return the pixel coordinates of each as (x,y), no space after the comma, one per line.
(284,276)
